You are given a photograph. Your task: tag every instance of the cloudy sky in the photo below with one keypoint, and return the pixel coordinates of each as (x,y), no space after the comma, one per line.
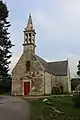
(57,24)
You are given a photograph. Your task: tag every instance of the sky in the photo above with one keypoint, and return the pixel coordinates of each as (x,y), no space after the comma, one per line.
(57,24)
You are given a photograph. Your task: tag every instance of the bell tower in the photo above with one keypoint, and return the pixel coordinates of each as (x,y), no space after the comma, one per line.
(29,36)
(29,44)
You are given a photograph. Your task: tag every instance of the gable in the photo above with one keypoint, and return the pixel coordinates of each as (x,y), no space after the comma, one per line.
(20,65)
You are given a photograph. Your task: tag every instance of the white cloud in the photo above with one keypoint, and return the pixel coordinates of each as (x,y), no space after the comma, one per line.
(61,19)
(41,20)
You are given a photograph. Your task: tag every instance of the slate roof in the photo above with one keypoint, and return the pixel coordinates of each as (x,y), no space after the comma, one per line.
(44,64)
(58,68)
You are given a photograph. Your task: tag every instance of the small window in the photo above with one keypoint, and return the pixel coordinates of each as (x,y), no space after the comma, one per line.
(30,40)
(29,34)
(27,66)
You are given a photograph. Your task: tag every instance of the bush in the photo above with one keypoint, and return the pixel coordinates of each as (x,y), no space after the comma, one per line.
(55,90)
(76,100)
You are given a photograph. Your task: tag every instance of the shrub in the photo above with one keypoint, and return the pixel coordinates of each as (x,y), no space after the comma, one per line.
(76,100)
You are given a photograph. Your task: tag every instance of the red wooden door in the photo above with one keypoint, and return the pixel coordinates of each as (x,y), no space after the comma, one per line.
(26,88)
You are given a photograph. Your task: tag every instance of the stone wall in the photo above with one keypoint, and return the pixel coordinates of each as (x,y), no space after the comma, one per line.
(38,79)
(37,84)
(69,80)
(60,81)
(48,83)
(53,82)
(35,75)
(17,74)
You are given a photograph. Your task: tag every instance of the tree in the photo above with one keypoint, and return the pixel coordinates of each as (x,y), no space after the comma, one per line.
(76,97)
(78,67)
(5,44)
(74,83)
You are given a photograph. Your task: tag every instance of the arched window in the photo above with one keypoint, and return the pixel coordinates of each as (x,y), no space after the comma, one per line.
(27,66)
(30,37)
(61,89)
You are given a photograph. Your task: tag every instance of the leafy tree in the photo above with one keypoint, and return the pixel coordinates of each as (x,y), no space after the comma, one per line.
(74,83)
(78,67)
(5,44)
(76,97)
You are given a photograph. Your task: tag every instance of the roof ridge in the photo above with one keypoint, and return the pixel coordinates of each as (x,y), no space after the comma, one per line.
(58,61)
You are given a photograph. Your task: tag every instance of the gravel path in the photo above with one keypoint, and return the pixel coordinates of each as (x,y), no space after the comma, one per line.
(13,108)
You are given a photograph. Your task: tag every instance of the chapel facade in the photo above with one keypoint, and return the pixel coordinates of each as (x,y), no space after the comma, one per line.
(32,75)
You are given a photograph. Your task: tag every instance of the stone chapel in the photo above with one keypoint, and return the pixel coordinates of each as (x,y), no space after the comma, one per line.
(32,75)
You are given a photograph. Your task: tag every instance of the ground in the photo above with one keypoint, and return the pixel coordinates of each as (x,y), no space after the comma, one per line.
(45,110)
(13,108)
(55,108)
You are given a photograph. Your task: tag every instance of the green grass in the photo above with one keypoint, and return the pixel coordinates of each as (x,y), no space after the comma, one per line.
(65,104)
(41,109)
(38,109)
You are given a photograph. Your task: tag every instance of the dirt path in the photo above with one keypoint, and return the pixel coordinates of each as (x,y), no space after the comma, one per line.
(13,108)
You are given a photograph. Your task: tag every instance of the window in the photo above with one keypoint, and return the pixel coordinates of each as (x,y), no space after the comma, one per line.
(29,34)
(30,40)
(27,66)
(29,37)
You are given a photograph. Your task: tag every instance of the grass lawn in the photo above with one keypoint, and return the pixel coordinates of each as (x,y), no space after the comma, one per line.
(41,110)
(65,104)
